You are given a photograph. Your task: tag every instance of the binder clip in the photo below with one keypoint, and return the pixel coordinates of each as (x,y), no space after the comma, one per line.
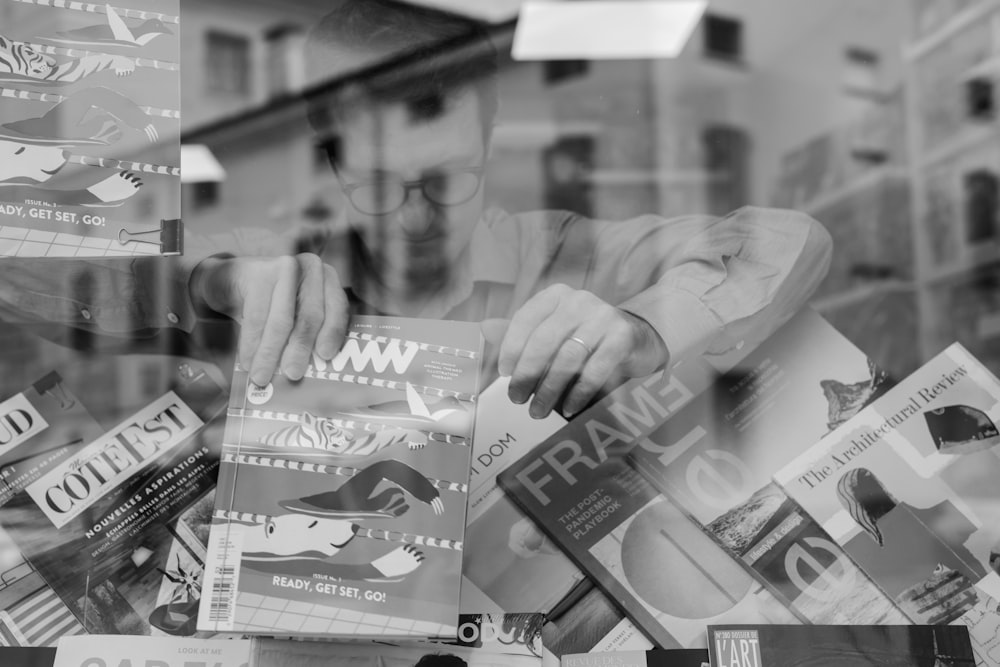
(171,237)
(51,385)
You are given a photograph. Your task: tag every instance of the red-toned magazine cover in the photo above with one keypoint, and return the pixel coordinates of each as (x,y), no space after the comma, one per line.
(342,497)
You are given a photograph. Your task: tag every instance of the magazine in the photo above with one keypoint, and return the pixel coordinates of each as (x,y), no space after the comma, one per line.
(593,624)
(715,458)
(856,645)
(516,634)
(31,614)
(117,651)
(90,129)
(27,657)
(678,657)
(342,497)
(579,488)
(509,563)
(94,511)
(908,488)
(285,653)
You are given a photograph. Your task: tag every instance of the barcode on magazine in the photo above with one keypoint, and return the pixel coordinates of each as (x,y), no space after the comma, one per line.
(225,548)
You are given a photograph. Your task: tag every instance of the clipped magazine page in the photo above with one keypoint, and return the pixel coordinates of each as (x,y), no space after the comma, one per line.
(342,498)
(90,129)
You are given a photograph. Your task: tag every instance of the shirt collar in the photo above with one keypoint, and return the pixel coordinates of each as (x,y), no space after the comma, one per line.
(490,258)
(487,259)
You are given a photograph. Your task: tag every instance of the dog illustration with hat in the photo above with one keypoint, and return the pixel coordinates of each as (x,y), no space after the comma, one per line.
(34,150)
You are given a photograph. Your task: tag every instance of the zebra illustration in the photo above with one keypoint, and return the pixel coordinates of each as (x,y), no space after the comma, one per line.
(323,434)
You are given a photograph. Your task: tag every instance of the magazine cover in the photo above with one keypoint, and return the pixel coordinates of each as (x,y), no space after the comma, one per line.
(678,657)
(856,645)
(40,426)
(286,653)
(31,614)
(517,634)
(580,489)
(27,657)
(342,497)
(593,624)
(908,488)
(98,519)
(509,563)
(97,651)
(715,458)
(90,129)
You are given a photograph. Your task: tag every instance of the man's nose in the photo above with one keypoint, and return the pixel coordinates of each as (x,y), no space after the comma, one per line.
(416,215)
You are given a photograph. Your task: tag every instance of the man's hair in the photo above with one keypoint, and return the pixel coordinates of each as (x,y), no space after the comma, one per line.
(441,660)
(385,51)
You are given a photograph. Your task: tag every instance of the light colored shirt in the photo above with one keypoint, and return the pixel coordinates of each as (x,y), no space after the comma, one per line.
(705,284)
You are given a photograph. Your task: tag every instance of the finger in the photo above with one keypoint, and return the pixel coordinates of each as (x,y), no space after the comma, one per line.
(494,330)
(566,366)
(335,315)
(256,306)
(602,365)
(525,321)
(278,322)
(541,351)
(309,313)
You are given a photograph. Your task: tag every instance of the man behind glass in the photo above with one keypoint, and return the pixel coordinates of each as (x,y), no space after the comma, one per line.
(574,303)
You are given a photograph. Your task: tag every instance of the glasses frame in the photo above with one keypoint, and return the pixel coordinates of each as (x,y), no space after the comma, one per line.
(417,184)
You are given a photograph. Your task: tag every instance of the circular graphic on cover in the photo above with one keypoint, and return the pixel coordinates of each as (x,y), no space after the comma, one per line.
(662,546)
(259,395)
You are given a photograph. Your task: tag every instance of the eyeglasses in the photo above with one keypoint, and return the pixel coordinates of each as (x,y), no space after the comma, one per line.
(387,194)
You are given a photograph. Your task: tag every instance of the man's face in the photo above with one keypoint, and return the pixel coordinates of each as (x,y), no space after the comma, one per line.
(422,239)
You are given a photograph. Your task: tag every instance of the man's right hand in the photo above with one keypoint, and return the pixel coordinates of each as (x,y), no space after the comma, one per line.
(287,308)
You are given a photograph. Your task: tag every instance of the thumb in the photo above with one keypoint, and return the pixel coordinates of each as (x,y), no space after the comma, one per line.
(494,330)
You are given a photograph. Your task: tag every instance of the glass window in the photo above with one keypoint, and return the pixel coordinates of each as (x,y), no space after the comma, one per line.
(227,63)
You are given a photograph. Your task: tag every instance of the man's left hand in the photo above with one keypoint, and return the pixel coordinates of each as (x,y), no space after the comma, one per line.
(565,344)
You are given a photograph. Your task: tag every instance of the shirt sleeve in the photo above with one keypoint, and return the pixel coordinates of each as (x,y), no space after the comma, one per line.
(710,284)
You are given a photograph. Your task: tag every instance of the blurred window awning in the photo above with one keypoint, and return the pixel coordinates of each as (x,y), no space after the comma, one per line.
(605,29)
(199,165)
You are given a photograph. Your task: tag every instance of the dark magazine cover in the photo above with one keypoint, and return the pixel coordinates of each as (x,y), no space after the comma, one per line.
(578,486)
(855,645)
